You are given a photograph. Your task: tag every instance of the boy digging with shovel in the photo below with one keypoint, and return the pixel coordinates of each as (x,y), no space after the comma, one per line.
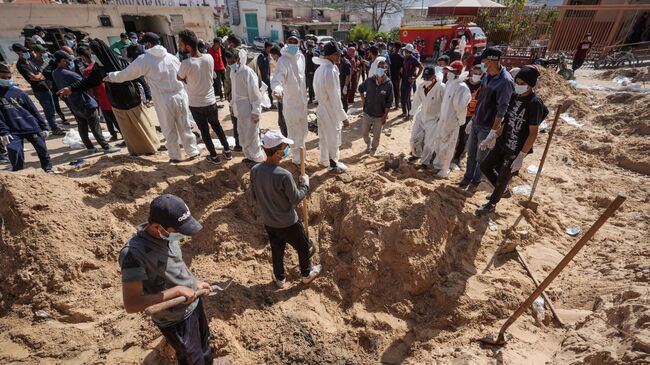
(153,271)
(276,194)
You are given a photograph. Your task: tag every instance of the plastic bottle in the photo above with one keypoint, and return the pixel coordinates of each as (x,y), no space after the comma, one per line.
(538,309)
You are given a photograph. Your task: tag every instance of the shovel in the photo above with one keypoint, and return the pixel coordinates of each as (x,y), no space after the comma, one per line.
(214,288)
(502,337)
(305,208)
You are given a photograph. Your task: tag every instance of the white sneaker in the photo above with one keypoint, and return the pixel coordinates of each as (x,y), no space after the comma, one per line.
(315,271)
(279,283)
(341,166)
(454,167)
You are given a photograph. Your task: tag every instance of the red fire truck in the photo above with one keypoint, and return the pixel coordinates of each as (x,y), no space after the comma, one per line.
(430,32)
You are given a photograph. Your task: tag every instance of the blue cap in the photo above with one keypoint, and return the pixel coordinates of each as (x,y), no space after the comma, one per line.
(171,211)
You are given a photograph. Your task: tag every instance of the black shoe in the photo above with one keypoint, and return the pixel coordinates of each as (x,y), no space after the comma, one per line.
(213,159)
(59,132)
(227,155)
(471,188)
(237,149)
(485,209)
(174,161)
(113,138)
(111,150)
(463,184)
(247,160)
(413,158)
(162,148)
(219,106)
(506,194)
(192,158)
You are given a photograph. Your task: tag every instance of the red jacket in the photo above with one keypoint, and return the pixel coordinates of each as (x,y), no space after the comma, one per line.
(218,61)
(100,91)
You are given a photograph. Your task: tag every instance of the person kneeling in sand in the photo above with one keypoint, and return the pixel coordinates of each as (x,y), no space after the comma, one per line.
(276,194)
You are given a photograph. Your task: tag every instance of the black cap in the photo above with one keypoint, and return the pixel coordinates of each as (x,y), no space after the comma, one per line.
(491,54)
(529,75)
(428,72)
(61,55)
(133,35)
(171,211)
(39,48)
(4,68)
(38,29)
(151,37)
(17,47)
(330,48)
(294,34)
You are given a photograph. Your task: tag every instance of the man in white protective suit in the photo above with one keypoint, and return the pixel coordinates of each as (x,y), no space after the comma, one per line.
(331,115)
(246,106)
(452,115)
(426,106)
(289,86)
(159,69)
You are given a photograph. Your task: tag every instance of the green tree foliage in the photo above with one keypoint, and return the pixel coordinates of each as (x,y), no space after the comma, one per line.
(223,31)
(393,35)
(361,32)
(516,23)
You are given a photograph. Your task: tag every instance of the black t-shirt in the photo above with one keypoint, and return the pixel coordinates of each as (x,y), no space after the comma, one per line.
(523,112)
(345,70)
(396,62)
(26,68)
(454,55)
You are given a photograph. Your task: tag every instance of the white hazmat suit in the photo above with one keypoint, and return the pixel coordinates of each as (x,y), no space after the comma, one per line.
(452,115)
(330,112)
(159,69)
(427,113)
(247,101)
(289,83)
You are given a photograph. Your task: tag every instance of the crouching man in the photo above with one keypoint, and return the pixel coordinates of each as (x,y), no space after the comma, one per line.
(153,271)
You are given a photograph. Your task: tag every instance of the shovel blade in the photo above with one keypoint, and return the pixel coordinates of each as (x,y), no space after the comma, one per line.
(495,340)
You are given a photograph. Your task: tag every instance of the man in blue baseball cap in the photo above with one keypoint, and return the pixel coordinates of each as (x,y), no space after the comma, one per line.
(153,271)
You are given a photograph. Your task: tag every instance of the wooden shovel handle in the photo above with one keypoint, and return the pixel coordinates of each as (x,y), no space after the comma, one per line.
(305,209)
(153,309)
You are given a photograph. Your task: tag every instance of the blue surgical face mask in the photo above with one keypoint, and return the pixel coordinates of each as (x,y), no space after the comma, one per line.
(96,60)
(26,55)
(234,67)
(69,42)
(380,72)
(71,66)
(521,89)
(6,83)
(483,67)
(293,49)
(172,236)
(285,153)
(45,56)
(438,69)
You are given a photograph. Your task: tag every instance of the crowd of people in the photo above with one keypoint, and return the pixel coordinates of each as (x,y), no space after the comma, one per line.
(463,104)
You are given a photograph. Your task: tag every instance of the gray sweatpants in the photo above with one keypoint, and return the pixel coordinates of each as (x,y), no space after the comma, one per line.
(374,123)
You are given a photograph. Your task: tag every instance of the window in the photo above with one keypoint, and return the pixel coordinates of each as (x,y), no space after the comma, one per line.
(105,21)
(283,13)
(319,13)
(322,32)
(345,17)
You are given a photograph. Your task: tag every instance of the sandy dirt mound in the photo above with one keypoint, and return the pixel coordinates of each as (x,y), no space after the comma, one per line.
(637,74)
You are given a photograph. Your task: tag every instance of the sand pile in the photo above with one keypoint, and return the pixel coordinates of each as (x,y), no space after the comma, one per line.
(637,74)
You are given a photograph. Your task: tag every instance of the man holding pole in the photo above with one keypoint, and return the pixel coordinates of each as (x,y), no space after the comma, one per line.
(153,271)
(511,143)
(276,194)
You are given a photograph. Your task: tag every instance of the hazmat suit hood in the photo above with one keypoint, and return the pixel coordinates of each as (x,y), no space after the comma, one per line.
(321,60)
(157,51)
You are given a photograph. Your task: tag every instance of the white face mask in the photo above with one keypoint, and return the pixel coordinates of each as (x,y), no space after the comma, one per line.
(451,76)
(476,78)
(428,83)
(172,236)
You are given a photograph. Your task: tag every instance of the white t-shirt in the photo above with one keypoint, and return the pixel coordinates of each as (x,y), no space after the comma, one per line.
(38,40)
(198,73)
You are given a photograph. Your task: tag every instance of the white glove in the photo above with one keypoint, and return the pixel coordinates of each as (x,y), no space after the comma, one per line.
(304,180)
(45,134)
(468,127)
(255,118)
(277,93)
(345,91)
(6,139)
(106,79)
(489,141)
(516,164)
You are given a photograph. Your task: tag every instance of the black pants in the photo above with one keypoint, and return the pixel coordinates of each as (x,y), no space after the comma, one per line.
(16,151)
(406,96)
(57,107)
(111,122)
(344,100)
(89,120)
(296,237)
(206,117)
(396,88)
(310,86)
(461,142)
(191,338)
(234,128)
(496,168)
(281,122)
(577,63)
(217,83)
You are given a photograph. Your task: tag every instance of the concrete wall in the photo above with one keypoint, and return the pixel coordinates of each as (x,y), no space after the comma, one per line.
(15,17)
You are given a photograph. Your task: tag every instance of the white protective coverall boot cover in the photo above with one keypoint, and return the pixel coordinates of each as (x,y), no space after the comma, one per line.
(330,112)
(427,108)
(246,101)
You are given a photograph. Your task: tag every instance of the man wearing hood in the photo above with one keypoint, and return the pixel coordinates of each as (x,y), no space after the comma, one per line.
(246,106)
(426,107)
(160,69)
(330,113)
(452,115)
(289,85)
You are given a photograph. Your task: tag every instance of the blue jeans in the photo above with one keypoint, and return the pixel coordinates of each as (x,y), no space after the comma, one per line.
(16,151)
(47,102)
(474,154)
